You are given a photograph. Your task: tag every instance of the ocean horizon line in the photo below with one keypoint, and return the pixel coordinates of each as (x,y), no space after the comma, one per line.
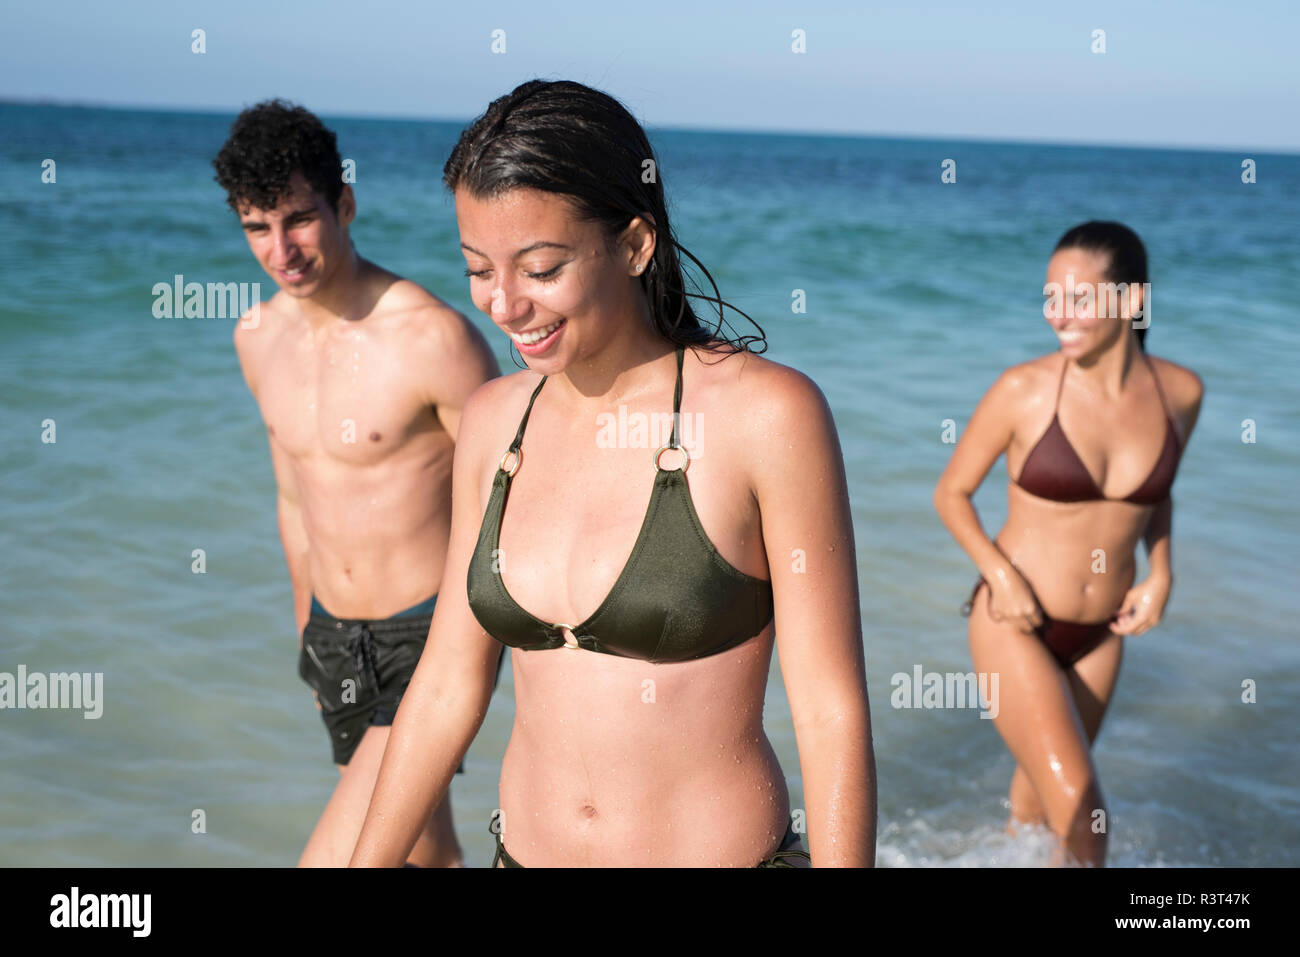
(887,137)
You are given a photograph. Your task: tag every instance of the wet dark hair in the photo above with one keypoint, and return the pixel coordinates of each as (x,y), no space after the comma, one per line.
(565,138)
(268,143)
(1128,257)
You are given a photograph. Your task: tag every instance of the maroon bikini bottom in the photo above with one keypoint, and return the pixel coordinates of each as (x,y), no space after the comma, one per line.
(1068,641)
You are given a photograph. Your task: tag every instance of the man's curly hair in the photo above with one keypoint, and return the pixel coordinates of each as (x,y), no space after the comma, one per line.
(268,142)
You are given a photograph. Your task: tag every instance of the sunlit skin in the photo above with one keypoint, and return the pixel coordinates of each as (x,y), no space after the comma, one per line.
(596,773)
(360,377)
(1112,414)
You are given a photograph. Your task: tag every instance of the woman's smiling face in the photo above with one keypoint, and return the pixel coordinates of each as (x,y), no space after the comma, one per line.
(1085,320)
(547,278)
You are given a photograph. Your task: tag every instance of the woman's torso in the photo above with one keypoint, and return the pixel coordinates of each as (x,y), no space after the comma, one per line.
(1080,557)
(615,760)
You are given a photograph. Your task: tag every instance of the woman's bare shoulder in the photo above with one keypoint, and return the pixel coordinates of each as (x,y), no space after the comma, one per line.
(758,392)
(1017,398)
(497,402)
(1028,378)
(1182,387)
(495,394)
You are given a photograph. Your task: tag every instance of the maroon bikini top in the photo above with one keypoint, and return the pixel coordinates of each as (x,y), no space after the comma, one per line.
(1054,470)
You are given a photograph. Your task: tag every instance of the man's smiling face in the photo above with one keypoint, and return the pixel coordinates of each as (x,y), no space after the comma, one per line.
(301,241)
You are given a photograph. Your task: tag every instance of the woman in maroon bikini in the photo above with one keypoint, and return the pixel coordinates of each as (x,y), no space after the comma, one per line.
(1093,433)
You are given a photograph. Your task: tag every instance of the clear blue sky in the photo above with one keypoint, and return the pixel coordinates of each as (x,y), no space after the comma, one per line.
(1188,73)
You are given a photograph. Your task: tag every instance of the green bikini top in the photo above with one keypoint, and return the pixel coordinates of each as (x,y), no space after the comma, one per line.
(676,599)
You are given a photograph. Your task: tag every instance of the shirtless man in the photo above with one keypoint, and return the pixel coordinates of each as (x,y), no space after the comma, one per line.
(361,377)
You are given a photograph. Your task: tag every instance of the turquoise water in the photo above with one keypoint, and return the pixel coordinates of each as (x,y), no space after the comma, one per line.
(918,294)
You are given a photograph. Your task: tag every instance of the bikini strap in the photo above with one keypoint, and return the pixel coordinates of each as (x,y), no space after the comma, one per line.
(675,442)
(519,436)
(1159,391)
(1060,386)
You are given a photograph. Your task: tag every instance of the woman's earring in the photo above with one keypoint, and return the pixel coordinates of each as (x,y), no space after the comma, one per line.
(639,267)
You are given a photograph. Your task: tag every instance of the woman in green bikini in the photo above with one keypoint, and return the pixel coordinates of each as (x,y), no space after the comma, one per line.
(641,587)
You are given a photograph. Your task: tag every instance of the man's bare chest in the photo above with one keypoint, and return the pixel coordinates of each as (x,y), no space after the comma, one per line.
(355,406)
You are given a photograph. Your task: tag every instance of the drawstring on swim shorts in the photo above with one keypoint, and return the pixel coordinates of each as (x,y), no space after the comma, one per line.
(361,645)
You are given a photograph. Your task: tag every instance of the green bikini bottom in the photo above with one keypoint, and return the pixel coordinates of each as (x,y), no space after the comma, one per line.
(791,848)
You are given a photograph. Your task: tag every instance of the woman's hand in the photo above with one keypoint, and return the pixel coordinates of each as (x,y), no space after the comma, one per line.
(1143,606)
(1012,601)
